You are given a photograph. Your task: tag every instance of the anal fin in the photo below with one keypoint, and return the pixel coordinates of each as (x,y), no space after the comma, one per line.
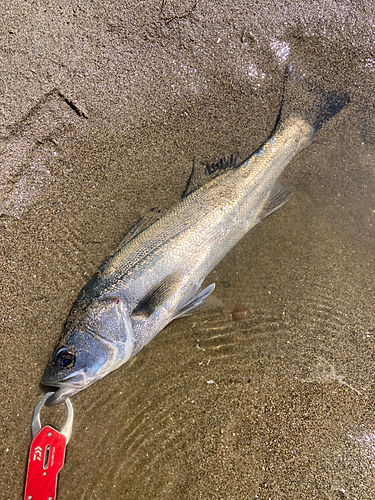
(278,196)
(192,300)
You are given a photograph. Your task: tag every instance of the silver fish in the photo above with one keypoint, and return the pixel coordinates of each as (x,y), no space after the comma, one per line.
(155,276)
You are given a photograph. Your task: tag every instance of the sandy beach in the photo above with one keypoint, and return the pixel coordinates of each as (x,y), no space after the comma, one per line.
(104,107)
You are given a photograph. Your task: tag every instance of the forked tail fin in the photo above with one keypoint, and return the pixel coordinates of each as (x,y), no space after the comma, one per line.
(313,103)
(327,106)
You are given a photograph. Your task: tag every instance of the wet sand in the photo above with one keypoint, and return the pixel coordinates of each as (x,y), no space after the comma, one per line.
(104,108)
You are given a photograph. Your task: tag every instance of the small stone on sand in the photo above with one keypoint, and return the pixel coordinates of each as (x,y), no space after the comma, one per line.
(239,314)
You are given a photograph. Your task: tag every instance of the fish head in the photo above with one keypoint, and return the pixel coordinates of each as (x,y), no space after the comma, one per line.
(98,341)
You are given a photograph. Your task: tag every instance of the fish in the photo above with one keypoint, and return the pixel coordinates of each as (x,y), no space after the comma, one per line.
(156,272)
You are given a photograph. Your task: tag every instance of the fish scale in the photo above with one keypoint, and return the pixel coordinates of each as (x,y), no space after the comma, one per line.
(155,276)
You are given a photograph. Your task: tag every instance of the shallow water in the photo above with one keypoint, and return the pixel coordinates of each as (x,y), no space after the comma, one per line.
(101,121)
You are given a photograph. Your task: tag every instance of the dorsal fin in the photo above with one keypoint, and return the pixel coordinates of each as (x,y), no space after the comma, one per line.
(192,184)
(222,164)
(207,171)
(142,223)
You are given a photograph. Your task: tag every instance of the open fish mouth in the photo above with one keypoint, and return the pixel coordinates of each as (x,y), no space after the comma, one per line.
(65,389)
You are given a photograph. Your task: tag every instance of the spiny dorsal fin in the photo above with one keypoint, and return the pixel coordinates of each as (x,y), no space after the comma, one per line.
(278,196)
(142,223)
(192,183)
(205,172)
(222,164)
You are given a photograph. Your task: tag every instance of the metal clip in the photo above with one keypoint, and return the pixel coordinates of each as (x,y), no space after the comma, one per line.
(67,428)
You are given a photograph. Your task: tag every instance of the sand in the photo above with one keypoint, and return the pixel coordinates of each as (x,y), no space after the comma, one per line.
(104,108)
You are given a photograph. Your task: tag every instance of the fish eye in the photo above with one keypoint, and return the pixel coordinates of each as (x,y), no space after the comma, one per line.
(65,358)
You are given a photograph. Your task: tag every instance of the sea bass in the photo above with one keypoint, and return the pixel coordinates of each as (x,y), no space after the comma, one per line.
(155,275)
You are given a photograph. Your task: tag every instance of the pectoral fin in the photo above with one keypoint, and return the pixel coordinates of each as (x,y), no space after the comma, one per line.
(160,294)
(279,195)
(157,296)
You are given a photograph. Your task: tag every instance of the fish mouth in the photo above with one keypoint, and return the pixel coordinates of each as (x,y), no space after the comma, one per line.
(65,389)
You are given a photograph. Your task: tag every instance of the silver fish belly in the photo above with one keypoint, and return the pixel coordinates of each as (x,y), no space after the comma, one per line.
(155,276)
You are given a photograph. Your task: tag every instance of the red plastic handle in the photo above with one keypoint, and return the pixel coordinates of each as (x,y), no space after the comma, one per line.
(46,458)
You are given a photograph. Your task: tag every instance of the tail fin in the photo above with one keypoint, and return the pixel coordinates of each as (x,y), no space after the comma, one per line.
(315,104)
(327,106)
